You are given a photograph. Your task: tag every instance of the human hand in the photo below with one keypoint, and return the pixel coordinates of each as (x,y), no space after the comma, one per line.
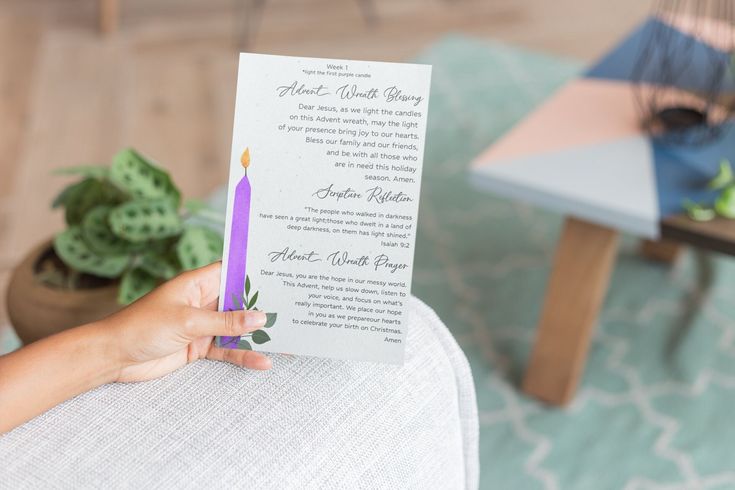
(175,324)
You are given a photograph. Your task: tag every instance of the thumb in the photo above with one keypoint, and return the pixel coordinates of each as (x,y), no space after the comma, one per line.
(204,323)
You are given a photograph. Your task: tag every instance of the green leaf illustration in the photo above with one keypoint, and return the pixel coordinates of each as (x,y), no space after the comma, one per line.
(697,212)
(247,285)
(724,176)
(253,300)
(260,337)
(244,344)
(139,177)
(74,252)
(135,284)
(270,320)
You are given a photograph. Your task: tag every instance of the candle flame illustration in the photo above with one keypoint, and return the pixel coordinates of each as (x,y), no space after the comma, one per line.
(245,158)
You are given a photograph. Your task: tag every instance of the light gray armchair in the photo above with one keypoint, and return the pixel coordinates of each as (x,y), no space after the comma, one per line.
(307,423)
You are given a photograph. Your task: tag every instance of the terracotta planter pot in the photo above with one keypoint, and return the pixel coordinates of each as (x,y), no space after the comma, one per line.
(37,310)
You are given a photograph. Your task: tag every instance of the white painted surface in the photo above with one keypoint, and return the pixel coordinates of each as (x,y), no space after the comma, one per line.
(611,184)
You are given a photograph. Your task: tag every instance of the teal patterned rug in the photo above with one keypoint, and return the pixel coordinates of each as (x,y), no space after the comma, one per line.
(656,408)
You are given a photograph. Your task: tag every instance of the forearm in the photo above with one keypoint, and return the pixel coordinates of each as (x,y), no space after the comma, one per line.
(50,371)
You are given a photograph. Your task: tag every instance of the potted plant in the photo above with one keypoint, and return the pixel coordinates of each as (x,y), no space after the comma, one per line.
(127,231)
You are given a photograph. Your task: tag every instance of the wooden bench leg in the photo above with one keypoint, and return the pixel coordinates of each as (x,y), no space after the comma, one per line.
(108,15)
(661,250)
(584,259)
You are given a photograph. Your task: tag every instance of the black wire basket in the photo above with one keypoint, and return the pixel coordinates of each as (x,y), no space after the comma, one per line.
(681,81)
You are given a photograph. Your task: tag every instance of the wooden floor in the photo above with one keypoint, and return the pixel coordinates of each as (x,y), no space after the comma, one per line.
(165,82)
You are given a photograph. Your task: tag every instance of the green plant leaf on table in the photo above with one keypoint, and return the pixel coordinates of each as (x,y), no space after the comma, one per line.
(260,337)
(723,178)
(199,246)
(135,284)
(247,285)
(244,344)
(725,203)
(75,253)
(146,219)
(698,212)
(252,301)
(142,179)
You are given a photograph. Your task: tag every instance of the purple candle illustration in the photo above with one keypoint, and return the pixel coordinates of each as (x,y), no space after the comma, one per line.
(237,258)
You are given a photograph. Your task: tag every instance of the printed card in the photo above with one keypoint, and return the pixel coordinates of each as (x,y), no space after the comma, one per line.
(325,176)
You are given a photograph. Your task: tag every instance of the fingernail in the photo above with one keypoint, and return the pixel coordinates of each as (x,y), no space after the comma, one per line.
(256,319)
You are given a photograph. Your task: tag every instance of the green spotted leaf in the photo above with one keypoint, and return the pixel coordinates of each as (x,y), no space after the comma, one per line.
(199,246)
(162,266)
(142,179)
(71,248)
(260,337)
(247,285)
(135,284)
(80,198)
(144,220)
(98,234)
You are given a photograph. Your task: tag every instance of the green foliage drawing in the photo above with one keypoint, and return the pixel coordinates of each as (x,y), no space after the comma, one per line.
(248,302)
(724,205)
(127,222)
